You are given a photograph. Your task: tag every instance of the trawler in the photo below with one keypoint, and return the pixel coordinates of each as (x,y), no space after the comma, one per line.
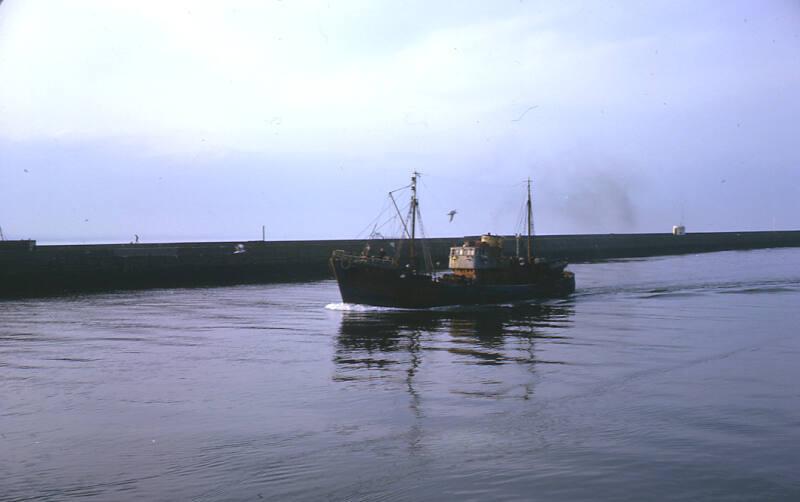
(479,273)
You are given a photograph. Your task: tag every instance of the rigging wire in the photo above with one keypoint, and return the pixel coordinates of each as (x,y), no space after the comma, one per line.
(462,181)
(399,215)
(520,226)
(374,221)
(398,189)
(381,220)
(426,252)
(395,231)
(402,228)
(511,189)
(533,228)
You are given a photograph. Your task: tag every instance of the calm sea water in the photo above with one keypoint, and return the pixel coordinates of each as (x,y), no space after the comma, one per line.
(673,378)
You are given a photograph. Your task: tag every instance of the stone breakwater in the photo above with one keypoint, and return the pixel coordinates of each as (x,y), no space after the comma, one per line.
(28,269)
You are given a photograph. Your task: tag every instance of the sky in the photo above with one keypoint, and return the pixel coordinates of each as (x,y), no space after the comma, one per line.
(200,120)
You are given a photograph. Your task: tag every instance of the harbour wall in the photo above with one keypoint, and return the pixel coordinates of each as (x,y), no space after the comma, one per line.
(28,269)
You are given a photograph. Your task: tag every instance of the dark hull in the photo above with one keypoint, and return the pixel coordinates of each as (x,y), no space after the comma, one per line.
(387,286)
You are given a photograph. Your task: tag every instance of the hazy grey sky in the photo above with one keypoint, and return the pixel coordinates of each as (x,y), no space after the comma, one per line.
(187,120)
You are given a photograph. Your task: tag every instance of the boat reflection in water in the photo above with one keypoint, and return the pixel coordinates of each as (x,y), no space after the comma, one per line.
(395,346)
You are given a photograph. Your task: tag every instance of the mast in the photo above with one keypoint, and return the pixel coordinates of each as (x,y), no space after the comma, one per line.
(413,217)
(530,218)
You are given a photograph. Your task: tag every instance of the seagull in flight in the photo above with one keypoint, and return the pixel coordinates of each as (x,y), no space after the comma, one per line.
(451,214)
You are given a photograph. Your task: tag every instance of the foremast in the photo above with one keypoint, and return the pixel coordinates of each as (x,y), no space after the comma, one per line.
(412,251)
(410,225)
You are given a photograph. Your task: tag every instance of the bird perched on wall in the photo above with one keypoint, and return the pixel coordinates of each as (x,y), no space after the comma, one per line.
(451,214)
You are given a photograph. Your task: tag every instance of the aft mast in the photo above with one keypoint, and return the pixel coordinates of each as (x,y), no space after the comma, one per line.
(530,221)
